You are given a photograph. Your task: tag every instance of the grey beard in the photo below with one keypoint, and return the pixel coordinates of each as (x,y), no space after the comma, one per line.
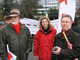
(14,23)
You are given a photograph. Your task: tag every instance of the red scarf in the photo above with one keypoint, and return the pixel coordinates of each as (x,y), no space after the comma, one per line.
(65,32)
(17,28)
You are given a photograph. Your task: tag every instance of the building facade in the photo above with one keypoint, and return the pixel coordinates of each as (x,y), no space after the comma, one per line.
(45,8)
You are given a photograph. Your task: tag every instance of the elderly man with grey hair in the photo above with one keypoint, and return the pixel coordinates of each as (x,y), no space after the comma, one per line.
(17,36)
(63,50)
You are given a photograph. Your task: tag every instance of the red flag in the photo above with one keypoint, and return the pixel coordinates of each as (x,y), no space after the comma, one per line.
(70,47)
(11,56)
(63,0)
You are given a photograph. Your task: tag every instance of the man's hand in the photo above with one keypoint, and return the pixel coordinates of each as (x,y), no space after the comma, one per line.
(57,51)
(27,51)
(35,57)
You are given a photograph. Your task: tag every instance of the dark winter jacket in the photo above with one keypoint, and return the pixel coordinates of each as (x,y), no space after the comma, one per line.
(75,26)
(18,44)
(65,53)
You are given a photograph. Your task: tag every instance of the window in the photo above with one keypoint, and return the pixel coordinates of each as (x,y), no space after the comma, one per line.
(54,3)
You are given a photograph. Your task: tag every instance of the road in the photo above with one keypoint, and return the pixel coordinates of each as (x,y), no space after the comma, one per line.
(31,57)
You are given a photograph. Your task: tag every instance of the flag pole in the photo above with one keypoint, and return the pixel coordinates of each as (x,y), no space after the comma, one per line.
(69,44)
(65,37)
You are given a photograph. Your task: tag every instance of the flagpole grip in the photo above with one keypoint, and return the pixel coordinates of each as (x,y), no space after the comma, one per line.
(65,36)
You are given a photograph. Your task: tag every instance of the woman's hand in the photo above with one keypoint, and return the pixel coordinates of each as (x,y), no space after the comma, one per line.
(35,57)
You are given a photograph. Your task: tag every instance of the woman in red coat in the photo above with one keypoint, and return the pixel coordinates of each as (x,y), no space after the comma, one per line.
(44,40)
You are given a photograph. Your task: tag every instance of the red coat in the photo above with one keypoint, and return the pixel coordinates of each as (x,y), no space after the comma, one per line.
(43,43)
(0,26)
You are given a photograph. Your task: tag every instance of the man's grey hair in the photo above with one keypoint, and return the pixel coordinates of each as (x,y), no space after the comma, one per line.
(66,15)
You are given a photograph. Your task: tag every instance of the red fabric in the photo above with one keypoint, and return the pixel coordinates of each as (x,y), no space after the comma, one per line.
(0,26)
(62,15)
(43,44)
(17,28)
(70,45)
(9,56)
(65,32)
(63,0)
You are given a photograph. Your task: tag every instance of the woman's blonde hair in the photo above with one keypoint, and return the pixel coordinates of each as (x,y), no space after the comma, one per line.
(40,21)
